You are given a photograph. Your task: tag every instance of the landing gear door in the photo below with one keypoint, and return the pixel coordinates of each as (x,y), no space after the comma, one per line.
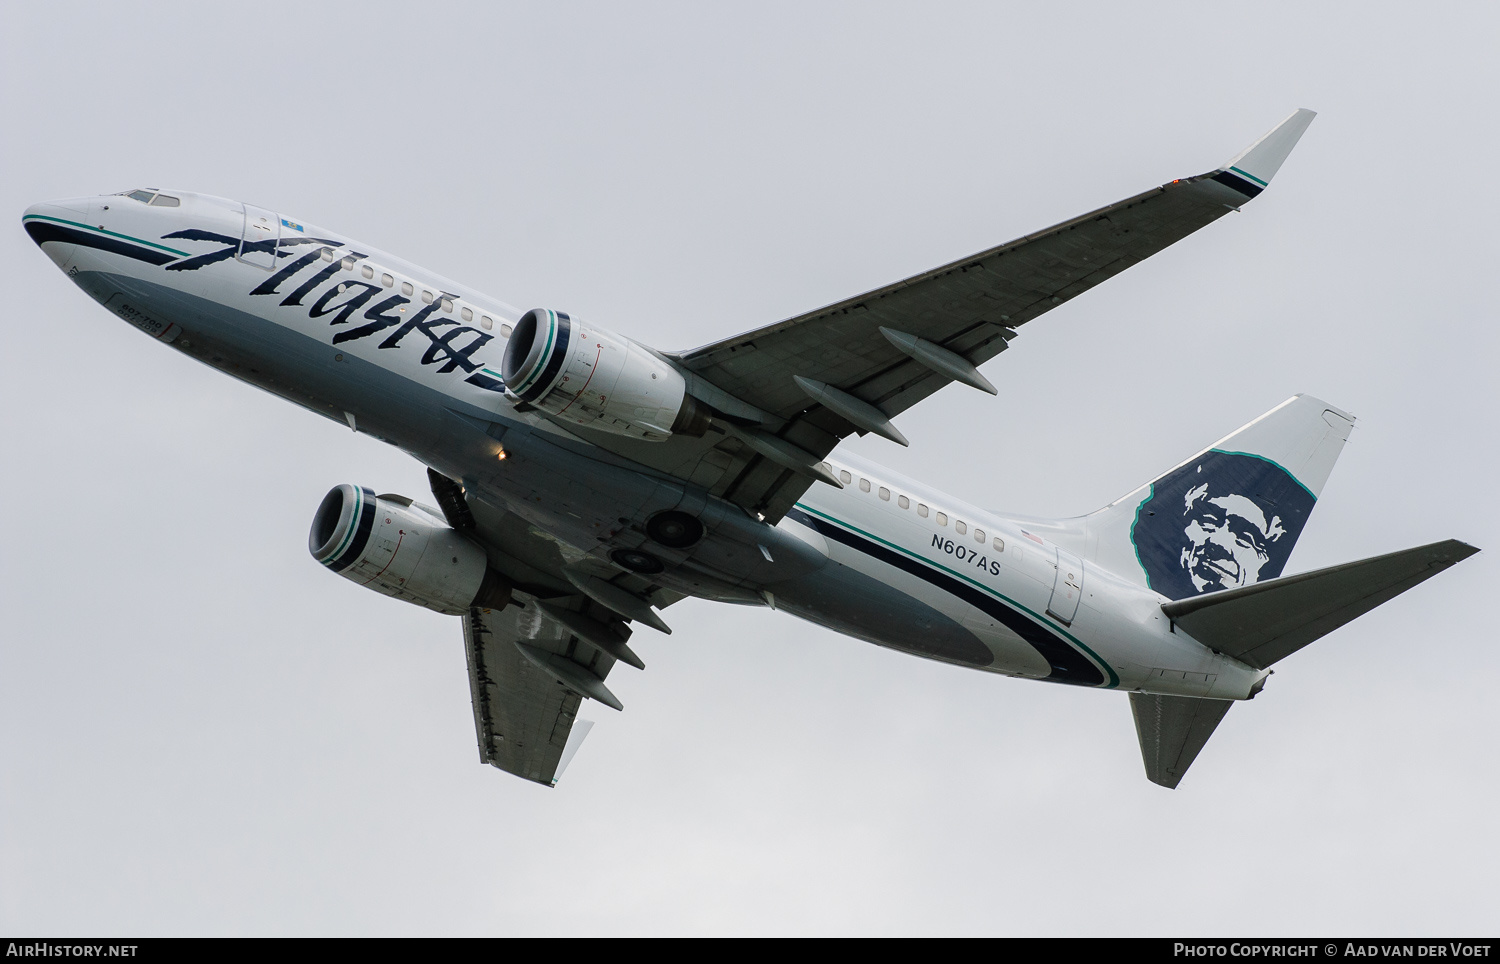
(258,242)
(1067,588)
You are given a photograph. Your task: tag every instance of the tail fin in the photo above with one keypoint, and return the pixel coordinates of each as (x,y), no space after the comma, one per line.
(1229,516)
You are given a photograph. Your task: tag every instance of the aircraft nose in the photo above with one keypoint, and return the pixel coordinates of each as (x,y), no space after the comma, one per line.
(51,224)
(67,209)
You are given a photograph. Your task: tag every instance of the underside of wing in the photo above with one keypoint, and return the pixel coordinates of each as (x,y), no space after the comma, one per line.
(534,660)
(812,380)
(769,405)
(524,710)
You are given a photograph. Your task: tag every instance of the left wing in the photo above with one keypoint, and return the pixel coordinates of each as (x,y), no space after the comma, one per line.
(528,673)
(852,366)
(783,396)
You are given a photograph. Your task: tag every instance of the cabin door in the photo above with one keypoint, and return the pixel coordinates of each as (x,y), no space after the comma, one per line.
(258,242)
(1067,587)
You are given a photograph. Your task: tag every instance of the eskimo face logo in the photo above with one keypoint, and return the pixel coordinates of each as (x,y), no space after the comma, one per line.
(1229,540)
(1222,521)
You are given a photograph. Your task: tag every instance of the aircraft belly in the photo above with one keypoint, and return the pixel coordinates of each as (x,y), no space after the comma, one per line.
(885,612)
(281,360)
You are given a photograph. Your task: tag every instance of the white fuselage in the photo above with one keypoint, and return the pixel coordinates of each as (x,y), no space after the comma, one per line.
(907,566)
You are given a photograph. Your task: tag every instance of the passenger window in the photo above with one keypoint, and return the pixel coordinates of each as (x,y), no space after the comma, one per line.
(979,536)
(826,467)
(163,201)
(921,510)
(942,518)
(845,477)
(885,494)
(327,254)
(487,322)
(447,306)
(348,264)
(903,502)
(960,526)
(387,280)
(999,544)
(426,297)
(505,331)
(367,271)
(406,288)
(864,485)
(468,314)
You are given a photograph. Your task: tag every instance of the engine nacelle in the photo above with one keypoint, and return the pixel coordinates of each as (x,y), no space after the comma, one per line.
(590,376)
(394,546)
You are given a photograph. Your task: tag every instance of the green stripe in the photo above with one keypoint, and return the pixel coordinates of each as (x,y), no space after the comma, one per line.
(1113,679)
(541,363)
(99,230)
(1150,494)
(1247,174)
(359,500)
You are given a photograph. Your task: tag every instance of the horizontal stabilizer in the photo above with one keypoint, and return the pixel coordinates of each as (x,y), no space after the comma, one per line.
(1269,621)
(1172,729)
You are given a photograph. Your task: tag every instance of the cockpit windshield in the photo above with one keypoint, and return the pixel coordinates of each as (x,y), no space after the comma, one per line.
(150,196)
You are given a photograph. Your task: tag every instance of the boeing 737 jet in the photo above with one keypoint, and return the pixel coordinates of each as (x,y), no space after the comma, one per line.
(583,482)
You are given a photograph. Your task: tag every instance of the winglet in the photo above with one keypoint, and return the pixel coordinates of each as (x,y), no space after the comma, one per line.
(570,749)
(1251,170)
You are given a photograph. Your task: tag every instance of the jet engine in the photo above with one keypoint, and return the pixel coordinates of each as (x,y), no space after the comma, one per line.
(593,377)
(390,544)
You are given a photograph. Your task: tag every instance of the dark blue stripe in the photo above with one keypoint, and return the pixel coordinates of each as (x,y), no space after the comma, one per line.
(554,363)
(1231,179)
(1068,664)
(42,231)
(486,382)
(366,524)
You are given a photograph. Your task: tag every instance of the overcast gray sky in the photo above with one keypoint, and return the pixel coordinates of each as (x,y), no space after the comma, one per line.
(206,733)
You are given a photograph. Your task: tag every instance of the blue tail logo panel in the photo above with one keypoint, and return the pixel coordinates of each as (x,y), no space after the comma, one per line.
(1222,521)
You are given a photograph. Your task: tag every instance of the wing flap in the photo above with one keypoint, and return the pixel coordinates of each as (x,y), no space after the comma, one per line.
(1267,622)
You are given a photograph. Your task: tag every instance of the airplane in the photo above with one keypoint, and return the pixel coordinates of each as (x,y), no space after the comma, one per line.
(584,482)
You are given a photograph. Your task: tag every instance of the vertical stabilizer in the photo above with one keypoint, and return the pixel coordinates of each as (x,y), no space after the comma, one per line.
(1229,516)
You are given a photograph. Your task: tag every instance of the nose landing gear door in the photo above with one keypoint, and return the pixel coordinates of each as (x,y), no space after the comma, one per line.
(258,242)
